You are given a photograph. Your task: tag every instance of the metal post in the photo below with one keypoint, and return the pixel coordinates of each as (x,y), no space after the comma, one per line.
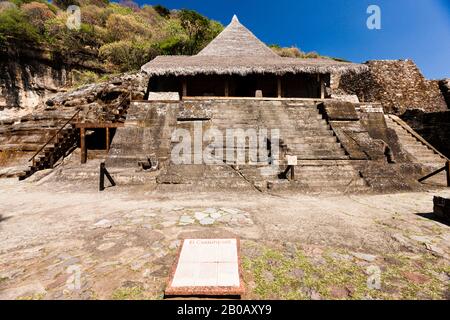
(83,145)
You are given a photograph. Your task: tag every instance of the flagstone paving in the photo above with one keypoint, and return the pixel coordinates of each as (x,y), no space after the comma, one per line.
(68,241)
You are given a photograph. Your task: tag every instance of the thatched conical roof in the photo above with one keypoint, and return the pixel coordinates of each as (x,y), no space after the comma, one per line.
(237,41)
(236,50)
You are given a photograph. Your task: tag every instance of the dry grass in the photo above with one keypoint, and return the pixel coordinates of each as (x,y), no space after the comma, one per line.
(6,156)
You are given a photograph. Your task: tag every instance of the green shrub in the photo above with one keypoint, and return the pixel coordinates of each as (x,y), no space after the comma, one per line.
(118,9)
(291,52)
(81,78)
(294,52)
(121,27)
(128,55)
(64,4)
(14,25)
(93,15)
(97,3)
(37,14)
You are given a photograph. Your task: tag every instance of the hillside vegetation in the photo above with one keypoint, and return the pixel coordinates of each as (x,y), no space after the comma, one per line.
(123,35)
(119,36)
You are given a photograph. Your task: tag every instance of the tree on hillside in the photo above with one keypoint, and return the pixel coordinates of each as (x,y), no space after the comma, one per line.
(129,4)
(37,13)
(162,11)
(196,27)
(64,4)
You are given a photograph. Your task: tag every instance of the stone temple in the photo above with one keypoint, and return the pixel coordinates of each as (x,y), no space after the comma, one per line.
(238,116)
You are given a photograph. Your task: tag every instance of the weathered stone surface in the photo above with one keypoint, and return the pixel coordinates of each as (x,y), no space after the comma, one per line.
(432,126)
(146,135)
(155,96)
(442,207)
(444,85)
(364,256)
(340,110)
(104,224)
(397,84)
(361,135)
(99,102)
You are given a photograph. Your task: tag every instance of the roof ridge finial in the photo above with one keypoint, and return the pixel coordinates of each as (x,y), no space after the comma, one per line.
(235,18)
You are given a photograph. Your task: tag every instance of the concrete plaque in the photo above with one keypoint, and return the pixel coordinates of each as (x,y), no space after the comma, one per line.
(207,267)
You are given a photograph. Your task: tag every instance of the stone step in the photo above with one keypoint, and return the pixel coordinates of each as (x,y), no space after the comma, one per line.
(296,186)
(314,146)
(326,168)
(308,140)
(308,133)
(322,157)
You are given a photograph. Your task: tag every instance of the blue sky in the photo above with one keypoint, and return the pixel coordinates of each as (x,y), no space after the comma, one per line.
(411,29)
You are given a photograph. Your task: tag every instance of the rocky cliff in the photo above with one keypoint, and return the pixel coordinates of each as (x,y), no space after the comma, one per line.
(30,74)
(23,134)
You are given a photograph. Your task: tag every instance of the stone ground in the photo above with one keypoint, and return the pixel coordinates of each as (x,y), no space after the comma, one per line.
(69,241)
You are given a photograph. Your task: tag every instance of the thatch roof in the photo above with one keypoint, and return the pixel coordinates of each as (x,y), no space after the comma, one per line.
(236,50)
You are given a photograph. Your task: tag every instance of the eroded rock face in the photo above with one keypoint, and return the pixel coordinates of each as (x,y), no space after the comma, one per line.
(29,75)
(28,131)
(397,84)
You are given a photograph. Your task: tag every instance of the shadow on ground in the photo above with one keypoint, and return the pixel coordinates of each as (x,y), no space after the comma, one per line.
(434,217)
(3,218)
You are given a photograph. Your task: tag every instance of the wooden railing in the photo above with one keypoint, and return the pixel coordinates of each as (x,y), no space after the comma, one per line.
(33,158)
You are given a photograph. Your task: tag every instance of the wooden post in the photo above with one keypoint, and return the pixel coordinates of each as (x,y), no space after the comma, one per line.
(279,87)
(292,173)
(447,169)
(184,87)
(83,145)
(101,186)
(322,88)
(103,173)
(107,139)
(227,88)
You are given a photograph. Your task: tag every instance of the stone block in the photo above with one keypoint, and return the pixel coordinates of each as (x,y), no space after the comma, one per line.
(164,96)
(340,110)
(442,208)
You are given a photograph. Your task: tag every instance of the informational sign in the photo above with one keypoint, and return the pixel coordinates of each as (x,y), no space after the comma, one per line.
(207,267)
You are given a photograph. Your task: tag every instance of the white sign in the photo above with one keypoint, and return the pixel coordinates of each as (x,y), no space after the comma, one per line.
(292,160)
(207,263)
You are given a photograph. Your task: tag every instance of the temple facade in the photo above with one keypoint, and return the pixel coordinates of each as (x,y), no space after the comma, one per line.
(237,64)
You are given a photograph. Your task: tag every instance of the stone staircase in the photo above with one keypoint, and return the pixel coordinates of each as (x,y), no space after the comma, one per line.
(302,129)
(418,150)
(323,165)
(66,140)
